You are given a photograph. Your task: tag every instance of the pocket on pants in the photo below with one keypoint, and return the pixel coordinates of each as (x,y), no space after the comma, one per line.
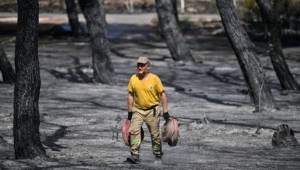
(158,111)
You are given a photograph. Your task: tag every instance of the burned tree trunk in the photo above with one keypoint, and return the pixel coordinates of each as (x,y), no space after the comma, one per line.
(253,72)
(175,41)
(73,17)
(95,17)
(271,17)
(27,142)
(6,68)
(174,4)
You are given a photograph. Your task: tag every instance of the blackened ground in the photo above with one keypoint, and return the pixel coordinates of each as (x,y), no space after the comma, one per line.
(80,120)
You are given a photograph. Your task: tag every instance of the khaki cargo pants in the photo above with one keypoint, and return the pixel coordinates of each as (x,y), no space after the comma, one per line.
(151,117)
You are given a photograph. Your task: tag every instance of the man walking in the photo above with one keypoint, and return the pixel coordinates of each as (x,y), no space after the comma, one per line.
(145,93)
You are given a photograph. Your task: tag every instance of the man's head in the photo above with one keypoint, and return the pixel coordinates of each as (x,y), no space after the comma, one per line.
(143,65)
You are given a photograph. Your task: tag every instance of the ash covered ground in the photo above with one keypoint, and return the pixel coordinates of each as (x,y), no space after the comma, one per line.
(80,120)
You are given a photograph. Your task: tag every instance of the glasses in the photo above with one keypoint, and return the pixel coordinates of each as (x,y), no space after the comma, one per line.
(140,65)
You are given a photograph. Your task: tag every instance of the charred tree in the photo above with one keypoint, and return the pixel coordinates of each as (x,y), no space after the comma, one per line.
(174,4)
(175,41)
(73,17)
(6,68)
(244,49)
(94,14)
(27,142)
(270,12)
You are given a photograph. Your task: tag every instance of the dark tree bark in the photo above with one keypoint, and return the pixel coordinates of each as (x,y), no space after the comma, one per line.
(95,17)
(27,142)
(253,72)
(175,41)
(6,68)
(174,4)
(73,17)
(270,11)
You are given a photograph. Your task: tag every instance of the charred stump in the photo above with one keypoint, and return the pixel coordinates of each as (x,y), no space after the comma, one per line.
(284,137)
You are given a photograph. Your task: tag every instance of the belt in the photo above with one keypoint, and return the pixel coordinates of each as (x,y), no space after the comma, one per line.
(150,108)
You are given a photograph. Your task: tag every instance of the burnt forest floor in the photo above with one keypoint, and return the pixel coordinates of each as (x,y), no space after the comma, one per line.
(80,119)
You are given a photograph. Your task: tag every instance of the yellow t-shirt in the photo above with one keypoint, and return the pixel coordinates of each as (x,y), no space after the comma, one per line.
(145,92)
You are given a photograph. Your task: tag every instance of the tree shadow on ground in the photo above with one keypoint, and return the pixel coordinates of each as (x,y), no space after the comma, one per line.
(227,78)
(6,150)
(3,167)
(80,73)
(117,52)
(87,101)
(232,80)
(182,90)
(76,74)
(50,140)
(47,163)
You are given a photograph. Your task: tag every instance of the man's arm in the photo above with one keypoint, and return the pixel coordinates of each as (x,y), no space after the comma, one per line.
(164,101)
(130,105)
(130,102)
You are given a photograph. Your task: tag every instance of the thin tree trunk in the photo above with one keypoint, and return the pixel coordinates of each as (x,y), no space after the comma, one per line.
(94,14)
(253,72)
(6,68)
(175,41)
(271,17)
(174,4)
(27,142)
(73,17)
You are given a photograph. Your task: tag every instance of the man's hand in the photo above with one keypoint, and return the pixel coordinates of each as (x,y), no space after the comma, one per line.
(129,115)
(166,116)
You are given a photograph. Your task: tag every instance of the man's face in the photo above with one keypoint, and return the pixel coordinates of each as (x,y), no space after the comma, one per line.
(142,68)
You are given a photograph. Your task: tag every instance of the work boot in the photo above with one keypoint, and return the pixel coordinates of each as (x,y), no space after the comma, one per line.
(133,159)
(157,160)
